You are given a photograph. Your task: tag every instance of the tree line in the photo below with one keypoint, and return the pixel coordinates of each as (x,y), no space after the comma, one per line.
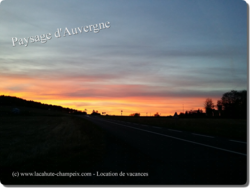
(232,104)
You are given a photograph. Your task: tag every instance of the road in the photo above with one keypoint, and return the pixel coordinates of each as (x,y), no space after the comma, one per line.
(170,157)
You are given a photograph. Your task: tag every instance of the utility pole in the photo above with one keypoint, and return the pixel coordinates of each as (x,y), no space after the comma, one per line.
(121,112)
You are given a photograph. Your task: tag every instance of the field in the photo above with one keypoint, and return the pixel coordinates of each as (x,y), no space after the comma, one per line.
(228,128)
(49,143)
(43,140)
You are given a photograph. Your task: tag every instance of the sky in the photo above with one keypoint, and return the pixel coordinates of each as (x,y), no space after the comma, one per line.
(161,56)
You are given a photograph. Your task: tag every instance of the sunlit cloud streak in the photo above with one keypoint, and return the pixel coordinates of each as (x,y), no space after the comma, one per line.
(157,55)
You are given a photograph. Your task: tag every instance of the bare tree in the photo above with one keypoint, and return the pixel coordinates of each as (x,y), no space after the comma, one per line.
(219,105)
(209,106)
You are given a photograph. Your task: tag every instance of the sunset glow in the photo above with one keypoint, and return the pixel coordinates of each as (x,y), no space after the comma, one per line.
(148,61)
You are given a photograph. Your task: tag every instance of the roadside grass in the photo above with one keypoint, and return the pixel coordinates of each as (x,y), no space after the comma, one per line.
(49,143)
(228,128)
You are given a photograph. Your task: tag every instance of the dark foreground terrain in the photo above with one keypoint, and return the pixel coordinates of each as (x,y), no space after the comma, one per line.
(108,152)
(170,157)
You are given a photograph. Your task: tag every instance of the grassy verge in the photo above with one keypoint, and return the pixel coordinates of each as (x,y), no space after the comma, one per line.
(229,128)
(48,143)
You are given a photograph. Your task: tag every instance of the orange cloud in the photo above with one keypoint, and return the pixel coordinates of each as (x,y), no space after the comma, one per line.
(109,98)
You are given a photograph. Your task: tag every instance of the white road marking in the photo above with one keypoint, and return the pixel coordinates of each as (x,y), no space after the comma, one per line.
(203,135)
(237,141)
(184,140)
(174,130)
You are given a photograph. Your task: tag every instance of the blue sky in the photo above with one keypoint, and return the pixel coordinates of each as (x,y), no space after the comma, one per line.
(163,51)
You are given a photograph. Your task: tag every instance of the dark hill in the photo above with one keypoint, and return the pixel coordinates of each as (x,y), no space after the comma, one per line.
(15,102)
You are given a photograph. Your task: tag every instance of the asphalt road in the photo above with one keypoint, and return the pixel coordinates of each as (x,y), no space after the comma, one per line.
(168,156)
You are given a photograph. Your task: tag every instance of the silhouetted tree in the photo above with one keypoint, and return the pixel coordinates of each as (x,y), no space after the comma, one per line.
(135,114)
(235,104)
(95,113)
(181,115)
(209,106)
(199,111)
(175,115)
(157,114)
(219,105)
